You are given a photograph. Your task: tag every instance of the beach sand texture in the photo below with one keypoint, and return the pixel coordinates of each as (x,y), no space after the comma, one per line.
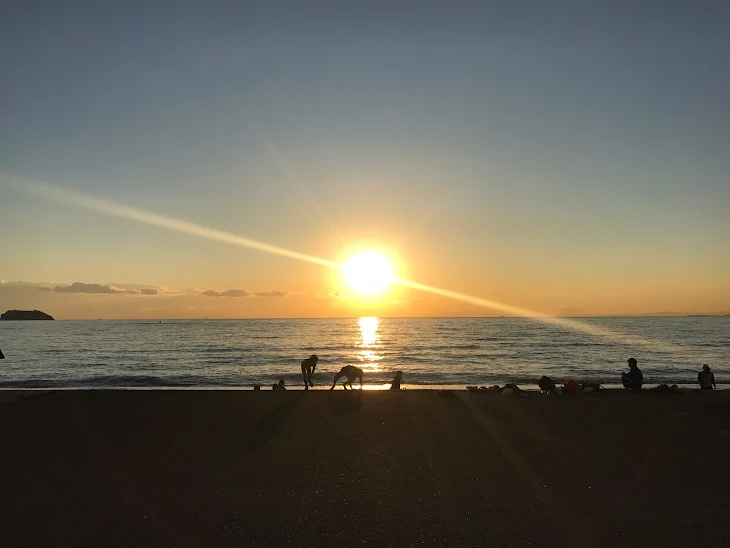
(413,468)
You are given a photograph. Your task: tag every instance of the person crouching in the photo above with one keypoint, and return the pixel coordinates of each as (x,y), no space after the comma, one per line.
(634,378)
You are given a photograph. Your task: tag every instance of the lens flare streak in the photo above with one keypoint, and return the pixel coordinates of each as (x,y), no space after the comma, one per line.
(85,201)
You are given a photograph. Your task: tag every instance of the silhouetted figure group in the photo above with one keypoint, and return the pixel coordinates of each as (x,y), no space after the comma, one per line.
(635,378)
(631,380)
(350,373)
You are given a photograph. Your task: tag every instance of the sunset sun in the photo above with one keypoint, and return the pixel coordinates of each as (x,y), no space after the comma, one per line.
(368,272)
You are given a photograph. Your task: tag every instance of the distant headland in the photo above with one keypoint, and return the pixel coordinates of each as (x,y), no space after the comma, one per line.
(25,315)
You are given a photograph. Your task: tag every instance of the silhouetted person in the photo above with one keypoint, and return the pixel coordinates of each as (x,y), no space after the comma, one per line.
(634,378)
(308,367)
(281,384)
(275,387)
(257,387)
(395,385)
(352,373)
(706,378)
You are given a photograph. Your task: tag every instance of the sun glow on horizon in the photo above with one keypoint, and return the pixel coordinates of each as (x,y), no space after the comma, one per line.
(368,273)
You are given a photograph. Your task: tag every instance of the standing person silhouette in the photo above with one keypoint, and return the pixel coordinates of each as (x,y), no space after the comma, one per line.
(308,367)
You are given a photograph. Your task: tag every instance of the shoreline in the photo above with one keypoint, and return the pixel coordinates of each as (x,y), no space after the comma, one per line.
(529,388)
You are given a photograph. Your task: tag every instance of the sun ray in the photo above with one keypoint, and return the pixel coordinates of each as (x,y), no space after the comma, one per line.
(85,201)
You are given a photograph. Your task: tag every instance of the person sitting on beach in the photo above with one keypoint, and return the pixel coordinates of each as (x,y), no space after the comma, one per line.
(352,373)
(634,378)
(275,387)
(706,378)
(281,384)
(308,367)
(395,385)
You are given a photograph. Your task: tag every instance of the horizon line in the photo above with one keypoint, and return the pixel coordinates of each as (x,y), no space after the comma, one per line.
(643,315)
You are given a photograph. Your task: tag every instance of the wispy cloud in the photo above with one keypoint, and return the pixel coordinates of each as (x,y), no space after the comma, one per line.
(79,287)
(226,293)
(138,289)
(17,283)
(143,291)
(271,293)
(99,289)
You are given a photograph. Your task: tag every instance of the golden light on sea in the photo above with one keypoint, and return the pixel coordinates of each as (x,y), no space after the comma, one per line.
(369,344)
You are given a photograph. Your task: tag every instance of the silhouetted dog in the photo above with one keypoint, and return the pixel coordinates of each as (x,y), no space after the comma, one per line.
(352,373)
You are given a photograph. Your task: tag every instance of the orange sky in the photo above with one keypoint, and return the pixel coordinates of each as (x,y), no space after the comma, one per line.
(535,161)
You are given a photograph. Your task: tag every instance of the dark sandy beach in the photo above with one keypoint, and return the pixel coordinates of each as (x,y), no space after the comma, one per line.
(415,468)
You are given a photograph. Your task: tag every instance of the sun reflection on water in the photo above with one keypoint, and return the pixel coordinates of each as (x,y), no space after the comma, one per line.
(368,344)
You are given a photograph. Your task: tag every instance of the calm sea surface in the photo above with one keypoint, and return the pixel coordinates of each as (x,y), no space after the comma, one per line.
(429,351)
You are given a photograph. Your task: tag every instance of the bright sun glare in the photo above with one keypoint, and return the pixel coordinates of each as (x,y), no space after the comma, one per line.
(368,272)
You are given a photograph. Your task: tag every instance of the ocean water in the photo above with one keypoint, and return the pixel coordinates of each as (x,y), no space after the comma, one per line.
(429,351)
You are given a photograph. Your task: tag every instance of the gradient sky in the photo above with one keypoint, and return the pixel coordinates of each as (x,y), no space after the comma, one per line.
(571,158)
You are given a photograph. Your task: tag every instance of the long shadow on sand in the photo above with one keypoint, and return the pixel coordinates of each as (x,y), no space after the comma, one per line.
(345,402)
(268,425)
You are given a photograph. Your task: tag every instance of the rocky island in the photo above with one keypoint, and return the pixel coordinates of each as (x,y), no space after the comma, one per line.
(25,315)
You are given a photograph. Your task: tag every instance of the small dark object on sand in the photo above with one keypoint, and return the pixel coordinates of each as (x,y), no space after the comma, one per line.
(257,387)
(666,388)
(546,384)
(484,390)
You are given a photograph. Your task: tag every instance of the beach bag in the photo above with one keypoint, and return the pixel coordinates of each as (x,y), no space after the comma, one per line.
(546,384)
(573,387)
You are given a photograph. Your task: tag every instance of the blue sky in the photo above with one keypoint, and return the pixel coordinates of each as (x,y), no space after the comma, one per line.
(512,150)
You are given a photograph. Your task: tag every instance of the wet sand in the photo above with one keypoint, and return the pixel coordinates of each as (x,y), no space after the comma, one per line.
(414,468)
